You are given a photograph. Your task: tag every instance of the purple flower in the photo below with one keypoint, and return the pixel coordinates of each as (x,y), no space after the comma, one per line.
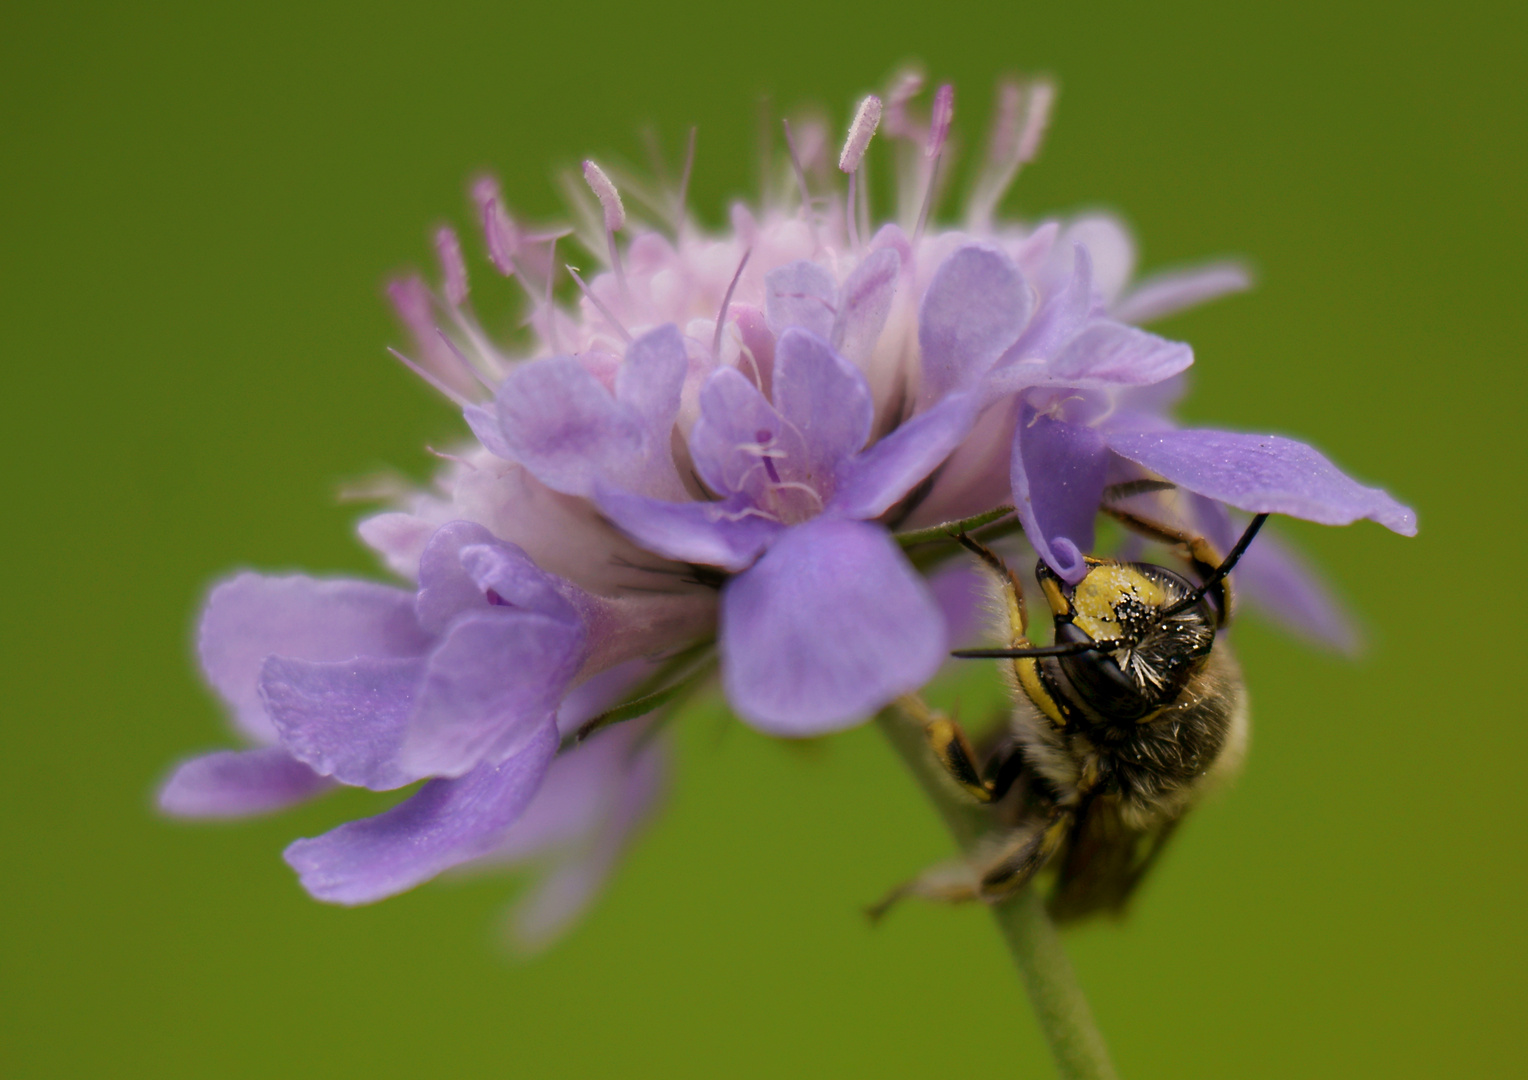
(370,686)
(713,451)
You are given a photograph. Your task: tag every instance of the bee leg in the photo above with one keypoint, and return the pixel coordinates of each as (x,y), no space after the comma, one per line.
(1000,867)
(952,749)
(951,882)
(1012,866)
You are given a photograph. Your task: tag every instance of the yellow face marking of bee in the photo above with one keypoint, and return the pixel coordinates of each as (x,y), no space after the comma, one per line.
(1100,593)
(1055,597)
(1029,678)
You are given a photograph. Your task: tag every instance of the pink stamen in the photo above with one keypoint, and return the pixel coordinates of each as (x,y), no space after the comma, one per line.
(603,310)
(499,231)
(721,317)
(939,121)
(938,132)
(861,129)
(615,214)
(449,250)
(429,378)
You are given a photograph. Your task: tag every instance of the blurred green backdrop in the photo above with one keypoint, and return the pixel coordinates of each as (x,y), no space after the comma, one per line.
(200,204)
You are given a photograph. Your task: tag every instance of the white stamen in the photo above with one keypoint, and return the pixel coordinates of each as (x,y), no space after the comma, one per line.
(449,251)
(908,85)
(461,358)
(721,317)
(603,310)
(609,197)
(684,182)
(1036,118)
(429,378)
(800,171)
(866,120)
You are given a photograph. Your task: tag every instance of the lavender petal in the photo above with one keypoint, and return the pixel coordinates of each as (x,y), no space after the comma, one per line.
(446,590)
(729,534)
(345,718)
(1166,294)
(485,426)
(823,398)
(801,294)
(830,625)
(734,422)
(1058,473)
(865,303)
(872,482)
(494,680)
(564,426)
(976,306)
(445,823)
(1261,474)
(239,783)
(251,616)
(1113,354)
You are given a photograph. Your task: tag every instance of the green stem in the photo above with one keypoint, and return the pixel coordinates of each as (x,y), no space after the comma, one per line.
(1058,1002)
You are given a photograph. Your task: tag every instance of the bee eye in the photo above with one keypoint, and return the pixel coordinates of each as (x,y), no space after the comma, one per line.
(1101,683)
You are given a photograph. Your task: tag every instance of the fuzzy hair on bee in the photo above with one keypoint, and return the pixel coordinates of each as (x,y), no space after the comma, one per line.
(1134,712)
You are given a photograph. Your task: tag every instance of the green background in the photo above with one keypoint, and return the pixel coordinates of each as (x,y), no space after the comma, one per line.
(199,207)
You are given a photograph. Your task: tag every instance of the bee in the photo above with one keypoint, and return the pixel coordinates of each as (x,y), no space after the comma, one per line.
(1135,710)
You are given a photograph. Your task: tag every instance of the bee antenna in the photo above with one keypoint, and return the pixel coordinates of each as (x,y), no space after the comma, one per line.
(1220,571)
(1071,648)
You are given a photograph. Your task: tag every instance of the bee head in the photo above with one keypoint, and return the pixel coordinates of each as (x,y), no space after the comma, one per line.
(1137,642)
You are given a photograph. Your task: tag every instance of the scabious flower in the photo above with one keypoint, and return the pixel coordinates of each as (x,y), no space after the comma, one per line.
(716,449)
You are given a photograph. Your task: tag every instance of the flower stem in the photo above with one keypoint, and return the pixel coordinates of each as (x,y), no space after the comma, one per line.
(1060,1007)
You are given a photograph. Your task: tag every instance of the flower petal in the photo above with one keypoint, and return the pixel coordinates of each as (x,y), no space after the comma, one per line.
(510,578)
(830,625)
(651,377)
(251,616)
(494,680)
(239,783)
(735,421)
(824,399)
(864,304)
(485,425)
(1058,472)
(872,482)
(729,534)
(564,426)
(344,718)
(1261,474)
(547,911)
(801,294)
(1110,353)
(445,823)
(976,306)
(1166,294)
(445,588)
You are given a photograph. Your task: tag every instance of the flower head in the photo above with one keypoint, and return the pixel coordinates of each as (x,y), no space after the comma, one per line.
(725,443)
